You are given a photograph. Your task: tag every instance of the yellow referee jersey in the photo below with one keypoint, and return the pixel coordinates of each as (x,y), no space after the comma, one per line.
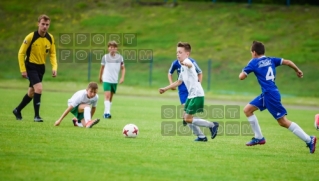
(37,52)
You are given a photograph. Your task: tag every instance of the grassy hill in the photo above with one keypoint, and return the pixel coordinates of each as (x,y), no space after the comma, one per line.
(219,32)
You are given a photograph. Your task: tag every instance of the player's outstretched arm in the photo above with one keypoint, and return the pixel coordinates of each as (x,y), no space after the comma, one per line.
(170,79)
(66,112)
(173,85)
(293,66)
(242,76)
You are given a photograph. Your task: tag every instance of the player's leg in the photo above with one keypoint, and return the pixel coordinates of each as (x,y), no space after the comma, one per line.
(113,91)
(198,132)
(195,129)
(298,131)
(277,110)
(196,105)
(107,104)
(77,120)
(183,97)
(36,76)
(249,109)
(25,101)
(107,97)
(37,101)
(87,121)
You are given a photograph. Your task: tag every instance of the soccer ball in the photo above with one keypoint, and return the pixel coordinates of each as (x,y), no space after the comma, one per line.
(130,131)
(317,122)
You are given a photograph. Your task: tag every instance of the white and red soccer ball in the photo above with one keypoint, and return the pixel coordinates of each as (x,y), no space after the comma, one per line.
(130,131)
(317,122)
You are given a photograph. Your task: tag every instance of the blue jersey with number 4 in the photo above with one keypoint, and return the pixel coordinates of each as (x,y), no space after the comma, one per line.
(265,70)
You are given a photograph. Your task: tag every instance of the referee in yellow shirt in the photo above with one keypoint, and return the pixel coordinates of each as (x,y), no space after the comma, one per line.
(32,54)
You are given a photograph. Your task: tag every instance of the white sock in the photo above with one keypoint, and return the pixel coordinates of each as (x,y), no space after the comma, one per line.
(202,122)
(296,129)
(196,130)
(107,106)
(110,107)
(255,126)
(80,124)
(87,114)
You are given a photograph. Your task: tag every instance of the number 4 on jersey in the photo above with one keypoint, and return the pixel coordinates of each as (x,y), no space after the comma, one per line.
(270,74)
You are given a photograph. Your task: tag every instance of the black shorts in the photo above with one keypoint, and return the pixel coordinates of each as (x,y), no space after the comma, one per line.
(35,72)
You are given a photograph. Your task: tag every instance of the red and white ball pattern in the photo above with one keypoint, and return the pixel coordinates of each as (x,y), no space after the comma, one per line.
(130,131)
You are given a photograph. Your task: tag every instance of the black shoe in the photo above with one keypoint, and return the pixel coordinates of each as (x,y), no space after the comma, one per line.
(184,123)
(17,114)
(38,119)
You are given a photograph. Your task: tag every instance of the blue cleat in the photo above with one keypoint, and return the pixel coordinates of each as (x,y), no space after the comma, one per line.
(201,139)
(254,141)
(107,116)
(312,144)
(214,130)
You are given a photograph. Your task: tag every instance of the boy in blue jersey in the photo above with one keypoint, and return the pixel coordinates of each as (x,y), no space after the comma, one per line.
(264,69)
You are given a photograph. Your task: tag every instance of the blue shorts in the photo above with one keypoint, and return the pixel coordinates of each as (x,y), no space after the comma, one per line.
(272,102)
(183,96)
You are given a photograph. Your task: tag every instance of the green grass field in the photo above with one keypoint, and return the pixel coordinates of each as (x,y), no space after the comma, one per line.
(221,32)
(41,151)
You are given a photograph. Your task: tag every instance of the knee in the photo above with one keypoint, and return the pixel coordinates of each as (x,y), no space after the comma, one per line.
(247,111)
(38,89)
(188,119)
(87,108)
(283,122)
(31,93)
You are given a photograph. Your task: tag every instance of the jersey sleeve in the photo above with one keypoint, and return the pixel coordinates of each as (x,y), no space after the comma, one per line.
(23,50)
(249,68)
(75,100)
(53,55)
(172,68)
(277,61)
(198,70)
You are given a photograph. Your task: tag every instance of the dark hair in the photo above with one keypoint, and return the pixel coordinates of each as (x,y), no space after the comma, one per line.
(258,47)
(112,43)
(185,45)
(93,86)
(43,16)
